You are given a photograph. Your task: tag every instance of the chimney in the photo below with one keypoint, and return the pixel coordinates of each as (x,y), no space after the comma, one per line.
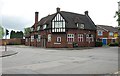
(36,20)
(36,17)
(58,9)
(86,13)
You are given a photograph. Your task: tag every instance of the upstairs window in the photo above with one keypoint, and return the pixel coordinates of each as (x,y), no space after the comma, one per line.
(38,28)
(58,24)
(32,29)
(44,26)
(100,33)
(80,26)
(80,37)
(70,37)
(58,39)
(110,33)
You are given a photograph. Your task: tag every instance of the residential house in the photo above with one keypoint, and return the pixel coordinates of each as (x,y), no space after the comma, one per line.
(62,29)
(107,34)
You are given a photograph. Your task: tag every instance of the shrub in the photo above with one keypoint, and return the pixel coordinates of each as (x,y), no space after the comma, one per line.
(113,44)
(75,44)
(98,44)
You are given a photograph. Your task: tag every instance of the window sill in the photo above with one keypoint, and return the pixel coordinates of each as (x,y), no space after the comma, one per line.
(57,43)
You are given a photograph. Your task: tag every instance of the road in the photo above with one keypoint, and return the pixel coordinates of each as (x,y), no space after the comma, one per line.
(31,60)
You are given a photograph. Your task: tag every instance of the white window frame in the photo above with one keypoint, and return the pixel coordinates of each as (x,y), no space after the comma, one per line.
(59,39)
(26,40)
(80,37)
(110,33)
(100,33)
(38,28)
(71,36)
(49,37)
(39,38)
(87,37)
(32,38)
(44,26)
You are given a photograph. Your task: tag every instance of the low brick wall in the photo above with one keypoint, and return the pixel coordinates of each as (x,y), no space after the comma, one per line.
(12,41)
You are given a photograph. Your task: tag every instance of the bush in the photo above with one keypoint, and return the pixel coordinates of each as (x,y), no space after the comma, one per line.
(75,44)
(98,44)
(113,44)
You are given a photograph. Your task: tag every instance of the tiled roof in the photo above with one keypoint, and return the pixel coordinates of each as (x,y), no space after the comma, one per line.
(107,28)
(71,20)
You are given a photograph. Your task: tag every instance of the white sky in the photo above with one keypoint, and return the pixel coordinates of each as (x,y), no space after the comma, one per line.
(101,11)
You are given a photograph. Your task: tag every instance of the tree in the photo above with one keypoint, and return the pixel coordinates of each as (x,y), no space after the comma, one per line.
(18,34)
(118,19)
(1,32)
(27,30)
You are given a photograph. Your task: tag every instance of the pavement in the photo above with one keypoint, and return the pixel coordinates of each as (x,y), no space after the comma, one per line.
(4,53)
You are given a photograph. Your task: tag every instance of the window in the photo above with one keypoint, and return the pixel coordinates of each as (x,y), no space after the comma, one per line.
(58,24)
(49,37)
(100,33)
(89,38)
(32,29)
(110,33)
(39,38)
(80,37)
(26,40)
(44,26)
(38,28)
(32,38)
(58,39)
(80,26)
(70,37)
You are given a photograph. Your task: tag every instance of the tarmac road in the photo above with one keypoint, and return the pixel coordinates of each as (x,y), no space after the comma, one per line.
(31,60)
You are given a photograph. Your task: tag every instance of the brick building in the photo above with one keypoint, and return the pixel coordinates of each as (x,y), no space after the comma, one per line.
(107,34)
(62,29)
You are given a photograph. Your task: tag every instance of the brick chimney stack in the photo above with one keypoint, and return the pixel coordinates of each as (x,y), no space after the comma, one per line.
(36,19)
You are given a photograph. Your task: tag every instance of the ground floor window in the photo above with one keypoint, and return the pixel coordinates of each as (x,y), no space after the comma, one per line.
(39,38)
(80,37)
(26,40)
(70,37)
(32,38)
(49,37)
(58,39)
(89,38)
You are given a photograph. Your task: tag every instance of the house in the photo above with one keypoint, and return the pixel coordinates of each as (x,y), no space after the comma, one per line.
(107,34)
(62,29)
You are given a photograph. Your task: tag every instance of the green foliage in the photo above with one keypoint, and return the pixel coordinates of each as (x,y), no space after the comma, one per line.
(1,32)
(18,34)
(98,44)
(118,19)
(27,31)
(113,44)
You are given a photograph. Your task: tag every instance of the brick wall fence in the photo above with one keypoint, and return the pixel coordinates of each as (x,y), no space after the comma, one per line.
(12,41)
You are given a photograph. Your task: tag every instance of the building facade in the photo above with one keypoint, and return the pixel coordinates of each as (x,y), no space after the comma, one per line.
(107,34)
(61,30)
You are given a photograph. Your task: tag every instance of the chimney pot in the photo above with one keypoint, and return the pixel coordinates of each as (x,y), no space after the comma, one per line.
(58,9)
(86,12)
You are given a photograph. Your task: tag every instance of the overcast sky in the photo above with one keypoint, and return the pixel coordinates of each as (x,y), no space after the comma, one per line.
(18,14)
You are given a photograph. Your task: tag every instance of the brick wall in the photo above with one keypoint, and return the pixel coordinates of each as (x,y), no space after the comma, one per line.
(12,41)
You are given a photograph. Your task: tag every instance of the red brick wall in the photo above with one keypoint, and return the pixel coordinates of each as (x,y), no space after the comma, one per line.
(63,36)
(12,41)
